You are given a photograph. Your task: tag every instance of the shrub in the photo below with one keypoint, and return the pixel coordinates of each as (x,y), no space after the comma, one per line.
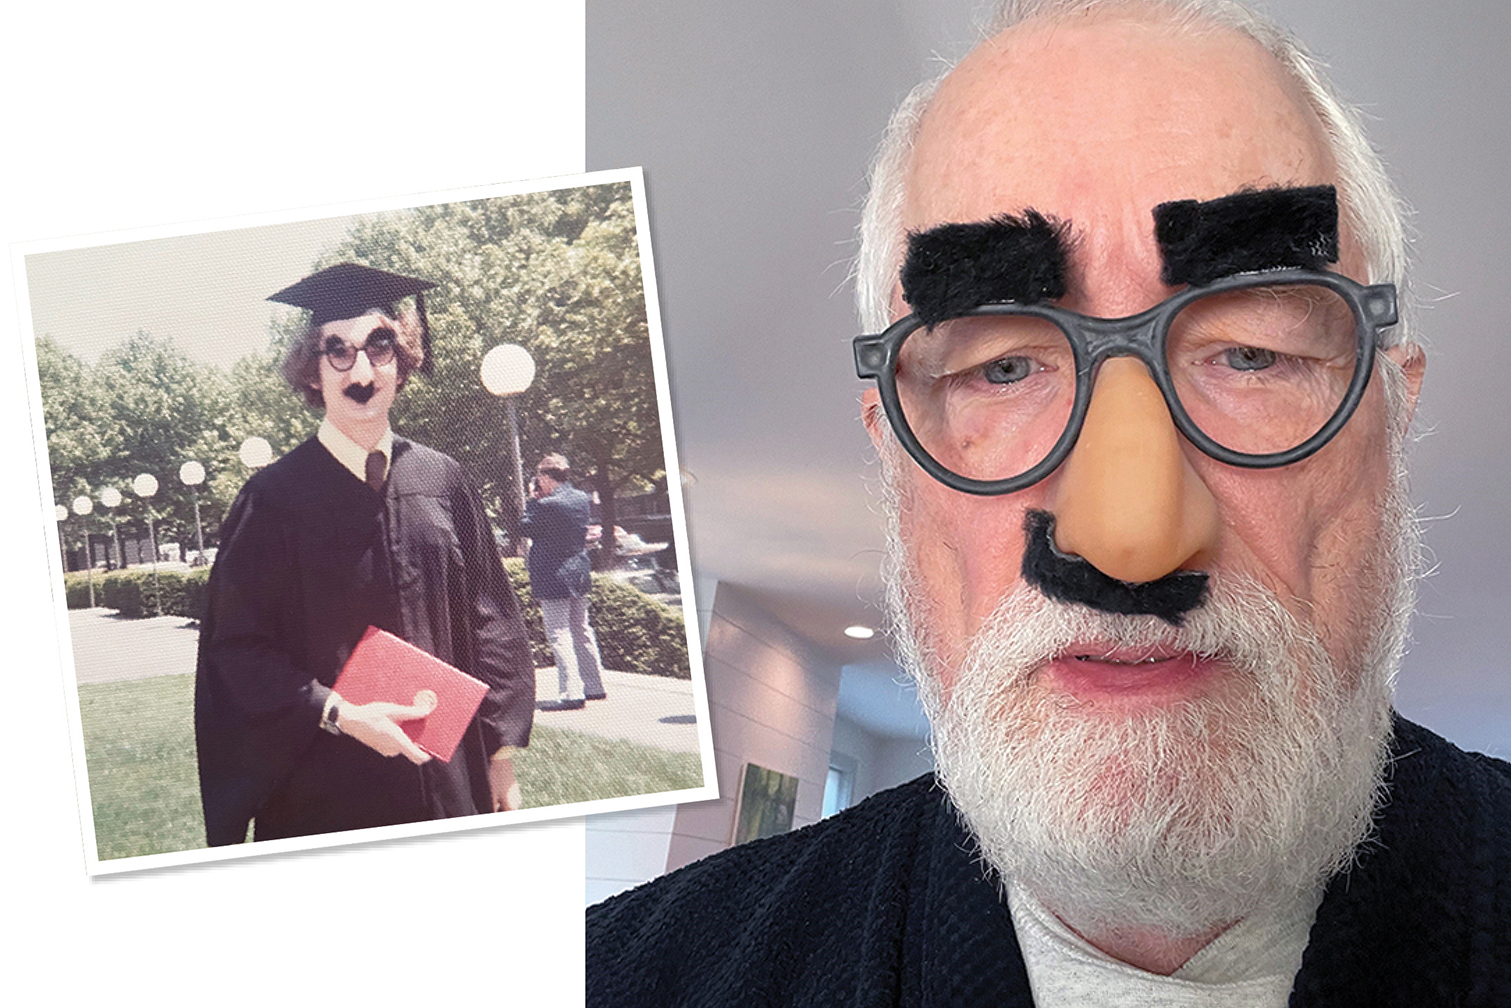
(196,594)
(76,589)
(637,633)
(519,578)
(134,593)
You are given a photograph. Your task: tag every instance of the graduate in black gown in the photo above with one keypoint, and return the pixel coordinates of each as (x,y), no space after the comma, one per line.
(354,528)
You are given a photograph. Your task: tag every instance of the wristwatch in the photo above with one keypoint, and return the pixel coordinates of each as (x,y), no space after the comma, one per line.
(328,718)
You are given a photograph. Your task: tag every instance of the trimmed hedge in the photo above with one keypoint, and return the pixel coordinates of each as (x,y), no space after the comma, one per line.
(76,590)
(635,633)
(135,593)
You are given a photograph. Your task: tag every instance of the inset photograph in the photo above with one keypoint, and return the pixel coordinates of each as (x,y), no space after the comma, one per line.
(369,524)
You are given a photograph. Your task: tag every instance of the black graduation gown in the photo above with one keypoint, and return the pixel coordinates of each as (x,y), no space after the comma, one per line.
(310,557)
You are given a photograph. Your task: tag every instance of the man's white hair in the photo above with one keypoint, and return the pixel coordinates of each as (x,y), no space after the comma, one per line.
(1369,205)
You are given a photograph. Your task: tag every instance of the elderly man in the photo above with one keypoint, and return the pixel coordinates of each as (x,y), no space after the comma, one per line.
(1140,400)
(355,528)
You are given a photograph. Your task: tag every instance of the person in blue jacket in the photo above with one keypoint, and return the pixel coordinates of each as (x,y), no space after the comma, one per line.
(556,522)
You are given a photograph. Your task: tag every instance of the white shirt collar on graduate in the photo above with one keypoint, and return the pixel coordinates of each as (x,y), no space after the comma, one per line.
(350,454)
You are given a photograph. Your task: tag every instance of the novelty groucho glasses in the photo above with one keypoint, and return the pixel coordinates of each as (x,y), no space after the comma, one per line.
(1258,370)
(379,347)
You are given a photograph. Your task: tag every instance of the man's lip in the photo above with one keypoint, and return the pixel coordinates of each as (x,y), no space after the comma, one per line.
(1153,674)
(1113,655)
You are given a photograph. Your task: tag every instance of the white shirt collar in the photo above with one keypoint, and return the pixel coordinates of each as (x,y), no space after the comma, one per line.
(1251,963)
(350,454)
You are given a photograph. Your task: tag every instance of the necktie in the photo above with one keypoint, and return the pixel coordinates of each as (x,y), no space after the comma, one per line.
(377,470)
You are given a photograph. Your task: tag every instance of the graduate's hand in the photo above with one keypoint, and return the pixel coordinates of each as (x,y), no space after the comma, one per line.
(376,725)
(506,795)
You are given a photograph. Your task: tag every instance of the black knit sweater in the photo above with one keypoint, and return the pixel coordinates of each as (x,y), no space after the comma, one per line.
(888,904)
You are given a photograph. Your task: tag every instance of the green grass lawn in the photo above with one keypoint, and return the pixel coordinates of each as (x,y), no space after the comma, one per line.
(144,785)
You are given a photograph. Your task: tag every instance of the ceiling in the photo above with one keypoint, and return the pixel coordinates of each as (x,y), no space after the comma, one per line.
(754,124)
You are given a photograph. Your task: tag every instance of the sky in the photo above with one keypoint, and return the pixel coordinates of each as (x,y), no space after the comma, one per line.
(206,291)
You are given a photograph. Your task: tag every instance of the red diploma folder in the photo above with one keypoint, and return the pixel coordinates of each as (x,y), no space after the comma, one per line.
(383,667)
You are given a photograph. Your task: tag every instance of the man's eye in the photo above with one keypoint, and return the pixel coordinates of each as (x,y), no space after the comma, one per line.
(336,345)
(1248,358)
(1006,370)
(380,340)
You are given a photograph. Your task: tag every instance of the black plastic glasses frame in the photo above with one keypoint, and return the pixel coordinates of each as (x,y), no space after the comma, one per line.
(377,354)
(1093,340)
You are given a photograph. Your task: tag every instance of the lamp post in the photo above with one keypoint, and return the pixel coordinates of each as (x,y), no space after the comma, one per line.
(192,474)
(60,514)
(506,371)
(110,497)
(82,506)
(144,486)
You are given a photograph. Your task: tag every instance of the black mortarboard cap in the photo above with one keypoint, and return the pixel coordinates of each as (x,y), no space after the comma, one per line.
(348,290)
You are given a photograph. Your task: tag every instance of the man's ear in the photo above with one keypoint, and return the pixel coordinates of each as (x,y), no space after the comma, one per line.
(1412,360)
(873,415)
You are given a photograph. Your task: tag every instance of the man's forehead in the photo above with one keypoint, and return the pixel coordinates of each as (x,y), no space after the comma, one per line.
(1105,119)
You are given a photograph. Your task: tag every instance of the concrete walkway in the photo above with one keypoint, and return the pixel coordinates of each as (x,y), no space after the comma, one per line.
(111,648)
(646,710)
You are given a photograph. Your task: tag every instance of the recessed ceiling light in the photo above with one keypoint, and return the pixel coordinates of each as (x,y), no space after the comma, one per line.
(860,632)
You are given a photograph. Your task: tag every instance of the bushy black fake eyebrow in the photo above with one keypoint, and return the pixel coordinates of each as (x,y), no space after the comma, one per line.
(951,268)
(1262,229)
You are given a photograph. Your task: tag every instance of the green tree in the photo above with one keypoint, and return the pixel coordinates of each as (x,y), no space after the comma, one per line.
(80,431)
(81,435)
(143,408)
(557,273)
(165,410)
(259,403)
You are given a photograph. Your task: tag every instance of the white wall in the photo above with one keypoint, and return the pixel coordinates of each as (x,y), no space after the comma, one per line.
(771,701)
(623,849)
(882,761)
(166,112)
(900,760)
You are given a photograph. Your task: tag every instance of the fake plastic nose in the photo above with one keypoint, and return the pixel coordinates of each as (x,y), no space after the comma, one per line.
(1127,500)
(362,369)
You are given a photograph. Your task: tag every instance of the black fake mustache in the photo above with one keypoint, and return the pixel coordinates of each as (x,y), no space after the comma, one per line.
(360,393)
(1067,578)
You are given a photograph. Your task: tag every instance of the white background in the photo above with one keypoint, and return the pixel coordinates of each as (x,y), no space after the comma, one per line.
(145,114)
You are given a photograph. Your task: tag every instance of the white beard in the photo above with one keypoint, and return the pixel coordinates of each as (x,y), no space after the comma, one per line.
(1179,819)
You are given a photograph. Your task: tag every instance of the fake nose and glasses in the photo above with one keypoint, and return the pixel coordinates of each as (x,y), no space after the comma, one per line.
(1126,500)
(1257,370)
(378,348)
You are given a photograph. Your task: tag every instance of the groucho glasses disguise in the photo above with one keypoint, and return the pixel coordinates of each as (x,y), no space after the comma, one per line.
(380,347)
(1258,370)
